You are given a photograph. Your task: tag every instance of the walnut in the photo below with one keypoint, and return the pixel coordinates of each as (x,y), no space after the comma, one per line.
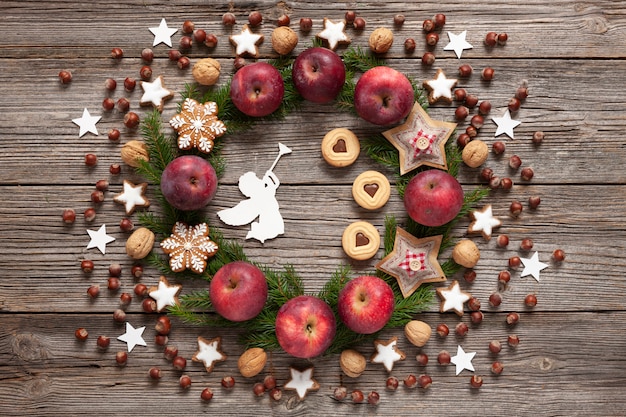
(380,40)
(251,362)
(417,332)
(475,153)
(133,151)
(140,243)
(284,39)
(352,363)
(466,253)
(206,71)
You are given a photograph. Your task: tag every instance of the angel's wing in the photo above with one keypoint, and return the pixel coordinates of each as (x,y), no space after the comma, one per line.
(243,213)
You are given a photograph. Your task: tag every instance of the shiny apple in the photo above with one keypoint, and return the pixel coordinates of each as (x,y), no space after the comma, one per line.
(383,96)
(365,304)
(305,326)
(238,291)
(318,74)
(433,198)
(257,89)
(189,182)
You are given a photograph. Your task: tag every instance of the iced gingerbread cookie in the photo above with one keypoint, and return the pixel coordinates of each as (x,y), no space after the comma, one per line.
(440,88)
(452,298)
(371,190)
(165,294)
(246,43)
(334,33)
(302,382)
(197,125)
(132,197)
(209,352)
(154,93)
(483,222)
(387,353)
(360,240)
(340,147)
(189,247)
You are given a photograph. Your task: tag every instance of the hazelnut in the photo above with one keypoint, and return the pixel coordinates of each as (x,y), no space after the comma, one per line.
(352,363)
(206,394)
(444,357)
(476,381)
(495,299)
(65,77)
(81,334)
(199,36)
(475,153)
(284,40)
(340,393)
(465,252)
(461,329)
(359,23)
(417,332)
(255,18)
(131,120)
(432,38)
(487,74)
(465,70)
(228,19)
(442,330)
(424,381)
(534,201)
(392,383)
(428,58)
(409,45)
(306,24)
(108,104)
(251,362)
(206,71)
(558,255)
(283,20)
(380,40)
(163,325)
(210,41)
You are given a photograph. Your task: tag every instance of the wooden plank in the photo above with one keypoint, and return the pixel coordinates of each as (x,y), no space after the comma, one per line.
(554,370)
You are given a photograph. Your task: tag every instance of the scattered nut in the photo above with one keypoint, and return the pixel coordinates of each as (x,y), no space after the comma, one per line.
(466,253)
(352,363)
(380,40)
(475,153)
(140,243)
(252,362)
(417,332)
(206,71)
(284,40)
(133,151)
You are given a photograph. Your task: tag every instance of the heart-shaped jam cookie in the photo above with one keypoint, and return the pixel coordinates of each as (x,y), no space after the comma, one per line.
(371,190)
(360,240)
(340,147)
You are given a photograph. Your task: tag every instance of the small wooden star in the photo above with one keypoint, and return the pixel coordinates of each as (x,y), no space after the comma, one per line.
(452,298)
(334,33)
(165,294)
(463,360)
(154,93)
(132,197)
(505,125)
(246,43)
(387,353)
(99,239)
(413,261)
(302,382)
(532,266)
(483,222)
(209,352)
(440,88)
(132,337)
(421,140)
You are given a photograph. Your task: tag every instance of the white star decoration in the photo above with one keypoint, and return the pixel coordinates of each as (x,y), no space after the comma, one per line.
(302,382)
(132,337)
(532,266)
(154,93)
(246,42)
(87,123)
(505,125)
(388,353)
(440,87)
(333,33)
(165,294)
(463,360)
(453,298)
(99,239)
(209,352)
(163,34)
(457,43)
(484,222)
(132,196)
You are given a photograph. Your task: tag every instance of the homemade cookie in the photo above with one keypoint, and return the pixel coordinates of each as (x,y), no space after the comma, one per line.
(371,190)
(340,147)
(360,240)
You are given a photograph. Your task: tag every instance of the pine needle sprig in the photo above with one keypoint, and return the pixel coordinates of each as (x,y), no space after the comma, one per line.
(355,59)
(345,99)
(283,286)
(382,151)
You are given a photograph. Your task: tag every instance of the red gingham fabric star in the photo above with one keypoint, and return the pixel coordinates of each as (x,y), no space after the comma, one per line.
(410,257)
(414,143)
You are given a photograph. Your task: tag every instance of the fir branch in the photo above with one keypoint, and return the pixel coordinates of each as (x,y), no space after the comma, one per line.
(330,292)
(406,308)
(355,59)
(450,267)
(382,151)
(261,332)
(200,318)
(197,300)
(283,286)
(345,99)
(160,149)
(389,239)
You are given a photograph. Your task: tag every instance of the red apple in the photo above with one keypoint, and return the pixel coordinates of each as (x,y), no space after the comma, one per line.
(189,182)
(318,74)
(238,291)
(366,304)
(383,96)
(305,326)
(433,197)
(257,89)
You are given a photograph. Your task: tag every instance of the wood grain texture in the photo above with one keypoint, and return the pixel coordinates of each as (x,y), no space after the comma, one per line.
(571,359)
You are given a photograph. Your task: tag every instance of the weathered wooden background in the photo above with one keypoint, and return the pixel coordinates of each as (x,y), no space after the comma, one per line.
(572,355)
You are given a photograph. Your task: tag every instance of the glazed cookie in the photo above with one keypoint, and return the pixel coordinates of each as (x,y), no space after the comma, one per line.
(371,190)
(340,147)
(360,240)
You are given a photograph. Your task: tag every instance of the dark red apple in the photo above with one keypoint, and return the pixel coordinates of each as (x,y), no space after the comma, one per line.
(433,197)
(189,182)
(257,89)
(318,74)
(238,291)
(366,304)
(383,96)
(305,326)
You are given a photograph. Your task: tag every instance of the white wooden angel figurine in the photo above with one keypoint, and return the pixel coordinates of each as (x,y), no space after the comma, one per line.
(261,204)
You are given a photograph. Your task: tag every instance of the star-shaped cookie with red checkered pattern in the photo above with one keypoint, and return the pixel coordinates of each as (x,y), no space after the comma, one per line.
(421,140)
(413,261)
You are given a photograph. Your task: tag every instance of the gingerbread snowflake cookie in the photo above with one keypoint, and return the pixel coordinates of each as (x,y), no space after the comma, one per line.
(334,33)
(387,353)
(197,125)
(209,352)
(246,43)
(189,247)
(483,222)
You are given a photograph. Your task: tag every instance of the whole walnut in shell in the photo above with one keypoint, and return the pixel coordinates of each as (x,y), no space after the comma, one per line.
(352,363)
(284,40)
(466,253)
(475,153)
(206,71)
(380,40)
